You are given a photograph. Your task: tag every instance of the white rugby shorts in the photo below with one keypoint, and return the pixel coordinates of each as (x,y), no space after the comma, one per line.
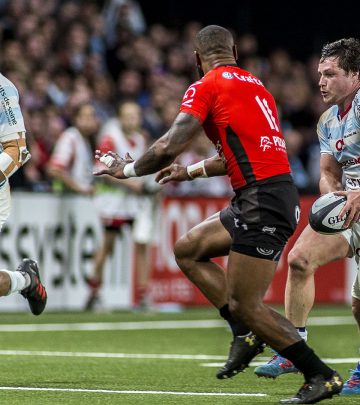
(352,236)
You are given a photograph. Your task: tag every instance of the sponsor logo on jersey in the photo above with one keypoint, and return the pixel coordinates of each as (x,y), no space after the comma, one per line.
(352,183)
(249,79)
(227,75)
(267,142)
(351,162)
(7,108)
(189,94)
(353,133)
(340,145)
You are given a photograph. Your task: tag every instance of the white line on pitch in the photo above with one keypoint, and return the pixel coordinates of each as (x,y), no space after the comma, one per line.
(261,360)
(110,355)
(190,324)
(96,326)
(208,394)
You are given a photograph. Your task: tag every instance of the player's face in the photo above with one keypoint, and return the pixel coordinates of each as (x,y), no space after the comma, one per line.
(336,86)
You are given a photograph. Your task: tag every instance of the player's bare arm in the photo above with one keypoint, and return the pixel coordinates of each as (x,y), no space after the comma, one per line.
(331,180)
(330,174)
(211,167)
(160,154)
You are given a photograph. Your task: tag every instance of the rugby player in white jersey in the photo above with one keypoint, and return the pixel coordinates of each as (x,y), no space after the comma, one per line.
(26,278)
(339,135)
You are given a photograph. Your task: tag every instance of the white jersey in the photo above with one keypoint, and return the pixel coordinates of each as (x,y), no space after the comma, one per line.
(73,153)
(340,137)
(112,135)
(11,119)
(117,201)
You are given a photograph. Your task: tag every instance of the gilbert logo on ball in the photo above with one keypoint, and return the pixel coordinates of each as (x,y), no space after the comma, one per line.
(324,214)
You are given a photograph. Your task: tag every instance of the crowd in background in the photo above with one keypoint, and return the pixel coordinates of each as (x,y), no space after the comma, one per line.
(63,54)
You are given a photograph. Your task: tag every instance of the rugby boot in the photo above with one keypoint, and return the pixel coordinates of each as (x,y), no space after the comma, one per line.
(352,385)
(242,350)
(317,389)
(276,366)
(36,292)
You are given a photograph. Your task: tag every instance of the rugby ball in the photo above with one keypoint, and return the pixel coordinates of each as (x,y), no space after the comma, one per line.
(324,214)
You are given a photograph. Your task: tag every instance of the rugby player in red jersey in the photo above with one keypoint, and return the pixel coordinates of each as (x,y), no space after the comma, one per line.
(240,117)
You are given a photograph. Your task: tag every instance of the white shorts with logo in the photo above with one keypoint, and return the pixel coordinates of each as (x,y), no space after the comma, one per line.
(352,236)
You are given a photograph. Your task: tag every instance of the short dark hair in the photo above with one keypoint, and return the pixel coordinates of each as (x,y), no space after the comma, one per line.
(214,39)
(346,50)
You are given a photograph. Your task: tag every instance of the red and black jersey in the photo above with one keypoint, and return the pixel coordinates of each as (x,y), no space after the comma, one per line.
(240,117)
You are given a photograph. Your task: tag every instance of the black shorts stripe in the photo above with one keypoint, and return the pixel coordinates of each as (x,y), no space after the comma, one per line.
(241,156)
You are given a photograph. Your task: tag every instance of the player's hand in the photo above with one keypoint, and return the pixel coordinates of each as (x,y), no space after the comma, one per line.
(114,164)
(352,207)
(174,172)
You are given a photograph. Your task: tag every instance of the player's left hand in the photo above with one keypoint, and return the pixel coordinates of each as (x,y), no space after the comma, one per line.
(351,208)
(114,164)
(174,172)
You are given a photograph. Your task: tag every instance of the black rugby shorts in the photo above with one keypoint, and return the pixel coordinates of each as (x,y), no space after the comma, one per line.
(261,219)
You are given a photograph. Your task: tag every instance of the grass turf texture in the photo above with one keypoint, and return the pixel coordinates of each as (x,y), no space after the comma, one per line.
(147,374)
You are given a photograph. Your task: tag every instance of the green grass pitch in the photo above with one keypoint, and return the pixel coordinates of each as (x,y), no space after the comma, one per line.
(146,365)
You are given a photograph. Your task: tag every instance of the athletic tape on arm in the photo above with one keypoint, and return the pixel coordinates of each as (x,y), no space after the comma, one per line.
(14,155)
(197,170)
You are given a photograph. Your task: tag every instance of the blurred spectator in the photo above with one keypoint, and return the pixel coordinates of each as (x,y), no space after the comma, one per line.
(123,203)
(122,14)
(71,162)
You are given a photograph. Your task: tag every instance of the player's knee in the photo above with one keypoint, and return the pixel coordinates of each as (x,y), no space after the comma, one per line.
(183,253)
(185,247)
(299,264)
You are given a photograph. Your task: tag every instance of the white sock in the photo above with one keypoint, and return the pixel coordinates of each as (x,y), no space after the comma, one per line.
(18,280)
(303,333)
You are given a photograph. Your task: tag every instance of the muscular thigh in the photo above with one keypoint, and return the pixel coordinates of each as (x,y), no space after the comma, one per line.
(207,240)
(319,249)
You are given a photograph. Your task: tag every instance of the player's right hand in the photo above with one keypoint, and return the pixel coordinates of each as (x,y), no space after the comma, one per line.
(114,164)
(174,172)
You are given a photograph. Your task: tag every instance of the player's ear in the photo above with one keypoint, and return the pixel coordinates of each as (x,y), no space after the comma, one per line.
(199,64)
(235,52)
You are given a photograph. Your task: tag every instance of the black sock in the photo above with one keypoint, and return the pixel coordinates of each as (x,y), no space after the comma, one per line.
(306,360)
(238,328)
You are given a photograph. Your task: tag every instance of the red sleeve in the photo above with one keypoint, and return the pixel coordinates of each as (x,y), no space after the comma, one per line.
(197,99)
